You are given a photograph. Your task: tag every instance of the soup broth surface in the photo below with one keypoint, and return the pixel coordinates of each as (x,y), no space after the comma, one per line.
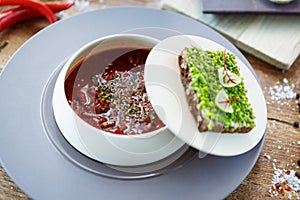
(107,91)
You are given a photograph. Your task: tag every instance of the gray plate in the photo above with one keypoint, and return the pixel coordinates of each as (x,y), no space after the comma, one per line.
(36,165)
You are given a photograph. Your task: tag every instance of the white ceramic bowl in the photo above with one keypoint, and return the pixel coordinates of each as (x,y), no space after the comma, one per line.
(121,150)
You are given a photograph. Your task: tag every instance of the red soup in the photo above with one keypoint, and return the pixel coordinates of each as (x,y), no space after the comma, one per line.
(107,90)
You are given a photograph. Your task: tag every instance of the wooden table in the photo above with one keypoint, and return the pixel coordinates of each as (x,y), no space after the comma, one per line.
(281,137)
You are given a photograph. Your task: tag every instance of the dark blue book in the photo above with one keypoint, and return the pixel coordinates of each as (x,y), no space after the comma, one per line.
(250,6)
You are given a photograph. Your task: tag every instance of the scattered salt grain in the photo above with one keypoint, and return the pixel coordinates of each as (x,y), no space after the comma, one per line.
(285,181)
(81,5)
(285,81)
(63,15)
(282,91)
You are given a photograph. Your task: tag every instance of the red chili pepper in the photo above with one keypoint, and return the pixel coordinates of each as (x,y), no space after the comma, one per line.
(18,14)
(34,5)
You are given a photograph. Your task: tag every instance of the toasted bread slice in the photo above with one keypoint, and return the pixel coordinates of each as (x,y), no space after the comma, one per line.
(215,91)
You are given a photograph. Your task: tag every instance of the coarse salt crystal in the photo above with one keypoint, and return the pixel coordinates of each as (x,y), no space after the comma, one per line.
(286,88)
(282,92)
(279,147)
(81,5)
(288,178)
(298,142)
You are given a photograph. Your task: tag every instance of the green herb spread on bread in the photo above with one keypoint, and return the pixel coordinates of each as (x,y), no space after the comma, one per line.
(215,91)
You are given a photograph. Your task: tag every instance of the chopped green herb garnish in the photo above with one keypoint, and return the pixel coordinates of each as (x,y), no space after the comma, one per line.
(204,68)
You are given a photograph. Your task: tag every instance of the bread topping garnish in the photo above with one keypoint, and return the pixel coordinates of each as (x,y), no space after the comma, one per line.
(216,91)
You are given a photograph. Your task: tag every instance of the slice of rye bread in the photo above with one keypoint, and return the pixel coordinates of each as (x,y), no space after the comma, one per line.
(193,101)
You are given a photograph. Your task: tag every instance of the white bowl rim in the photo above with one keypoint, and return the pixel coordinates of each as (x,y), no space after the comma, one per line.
(70,63)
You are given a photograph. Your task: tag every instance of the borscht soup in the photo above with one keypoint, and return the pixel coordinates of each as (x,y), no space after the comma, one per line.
(107,90)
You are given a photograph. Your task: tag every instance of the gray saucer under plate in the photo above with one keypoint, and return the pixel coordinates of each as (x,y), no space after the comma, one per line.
(45,166)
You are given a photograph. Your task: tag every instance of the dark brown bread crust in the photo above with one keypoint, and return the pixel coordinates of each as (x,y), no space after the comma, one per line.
(192,102)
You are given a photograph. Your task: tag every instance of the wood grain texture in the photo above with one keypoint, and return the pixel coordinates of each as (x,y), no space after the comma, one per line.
(272,38)
(279,133)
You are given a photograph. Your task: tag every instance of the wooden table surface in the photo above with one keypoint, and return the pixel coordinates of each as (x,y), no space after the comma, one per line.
(281,144)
